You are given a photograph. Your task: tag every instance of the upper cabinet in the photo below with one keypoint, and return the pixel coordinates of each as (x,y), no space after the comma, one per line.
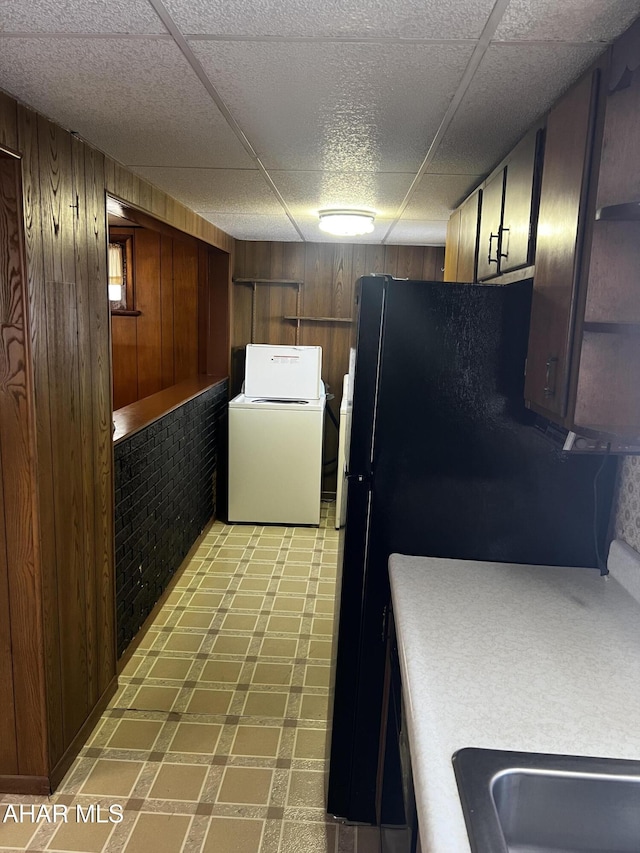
(491,226)
(462,240)
(561,221)
(519,217)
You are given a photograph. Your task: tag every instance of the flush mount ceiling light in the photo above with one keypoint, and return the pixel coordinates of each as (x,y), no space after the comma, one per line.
(346,223)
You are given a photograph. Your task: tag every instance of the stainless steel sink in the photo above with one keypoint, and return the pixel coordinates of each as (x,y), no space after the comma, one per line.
(535,803)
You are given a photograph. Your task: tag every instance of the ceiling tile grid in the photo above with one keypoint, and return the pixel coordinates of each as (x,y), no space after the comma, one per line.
(304,106)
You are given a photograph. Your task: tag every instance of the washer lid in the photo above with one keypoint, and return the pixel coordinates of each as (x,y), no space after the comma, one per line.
(270,403)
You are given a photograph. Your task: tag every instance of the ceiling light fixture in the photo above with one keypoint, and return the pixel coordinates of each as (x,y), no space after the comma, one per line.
(346,223)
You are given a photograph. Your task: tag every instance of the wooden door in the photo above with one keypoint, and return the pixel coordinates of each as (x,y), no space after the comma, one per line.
(451,247)
(569,140)
(490,224)
(468,238)
(515,243)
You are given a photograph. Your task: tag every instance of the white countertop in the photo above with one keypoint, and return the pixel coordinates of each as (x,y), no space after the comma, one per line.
(504,656)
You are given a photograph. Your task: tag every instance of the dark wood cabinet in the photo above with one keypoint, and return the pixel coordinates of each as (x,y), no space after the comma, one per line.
(563,212)
(468,238)
(451,247)
(517,234)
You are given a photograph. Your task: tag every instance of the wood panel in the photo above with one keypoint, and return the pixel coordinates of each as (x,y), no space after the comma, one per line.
(57,199)
(185,285)
(515,238)
(28,143)
(468,239)
(16,523)
(103,576)
(148,302)
(124,361)
(8,122)
(451,250)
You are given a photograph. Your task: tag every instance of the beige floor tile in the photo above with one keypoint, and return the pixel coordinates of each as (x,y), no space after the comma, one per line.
(271,542)
(148,640)
(314,707)
(254,584)
(317,676)
(158,833)
(259,704)
(265,554)
(243,601)
(322,626)
(174,669)
(324,606)
(307,532)
(238,540)
(112,778)
(306,788)
(226,645)
(257,568)
(298,587)
(82,837)
(195,619)
(208,600)
(305,543)
(294,556)
(135,734)
(307,837)
(132,665)
(219,582)
(180,641)
(326,588)
(226,553)
(195,738)
(256,740)
(272,673)
(320,649)
(245,785)
(239,622)
(278,647)
(310,743)
(209,701)
(296,570)
(15,835)
(178,782)
(233,835)
(155,698)
(222,567)
(221,671)
(284,625)
(289,603)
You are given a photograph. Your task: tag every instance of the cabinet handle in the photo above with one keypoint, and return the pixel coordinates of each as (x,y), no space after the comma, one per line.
(550,390)
(491,260)
(501,253)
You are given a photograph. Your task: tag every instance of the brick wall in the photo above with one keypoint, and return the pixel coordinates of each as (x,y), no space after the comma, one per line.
(165,481)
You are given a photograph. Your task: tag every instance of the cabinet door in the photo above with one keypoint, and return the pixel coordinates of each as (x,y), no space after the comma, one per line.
(515,243)
(451,247)
(490,222)
(569,140)
(468,238)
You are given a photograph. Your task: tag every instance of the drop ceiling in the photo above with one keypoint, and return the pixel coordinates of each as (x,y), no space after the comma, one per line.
(257,113)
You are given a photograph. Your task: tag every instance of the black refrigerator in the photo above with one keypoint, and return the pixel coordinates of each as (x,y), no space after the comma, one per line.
(444,461)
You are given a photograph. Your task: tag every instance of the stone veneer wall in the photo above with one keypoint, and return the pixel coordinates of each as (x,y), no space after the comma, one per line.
(165,493)
(627,503)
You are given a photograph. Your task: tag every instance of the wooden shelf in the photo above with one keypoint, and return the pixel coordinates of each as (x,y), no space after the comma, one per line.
(627,212)
(320,319)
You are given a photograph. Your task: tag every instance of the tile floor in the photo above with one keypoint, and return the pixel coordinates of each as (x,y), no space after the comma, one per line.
(216,738)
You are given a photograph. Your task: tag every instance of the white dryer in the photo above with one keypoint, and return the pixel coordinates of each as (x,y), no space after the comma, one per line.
(275,459)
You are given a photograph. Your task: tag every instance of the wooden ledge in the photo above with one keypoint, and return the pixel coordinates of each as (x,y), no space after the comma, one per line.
(136,416)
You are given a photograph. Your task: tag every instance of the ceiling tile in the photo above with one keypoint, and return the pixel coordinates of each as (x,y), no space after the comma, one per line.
(307,192)
(568,20)
(437,195)
(223,190)
(412,232)
(79,16)
(513,87)
(430,19)
(359,109)
(142,105)
(253,227)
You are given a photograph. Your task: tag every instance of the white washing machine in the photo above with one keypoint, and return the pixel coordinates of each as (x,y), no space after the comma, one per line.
(275,459)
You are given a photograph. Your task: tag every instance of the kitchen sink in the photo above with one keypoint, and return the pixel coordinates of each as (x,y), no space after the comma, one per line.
(524,802)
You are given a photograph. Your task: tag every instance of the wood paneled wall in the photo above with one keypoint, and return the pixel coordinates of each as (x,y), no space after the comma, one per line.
(329,271)
(159,347)
(57,603)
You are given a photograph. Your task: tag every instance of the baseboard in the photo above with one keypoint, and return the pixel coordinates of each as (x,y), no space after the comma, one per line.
(80,739)
(36,785)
